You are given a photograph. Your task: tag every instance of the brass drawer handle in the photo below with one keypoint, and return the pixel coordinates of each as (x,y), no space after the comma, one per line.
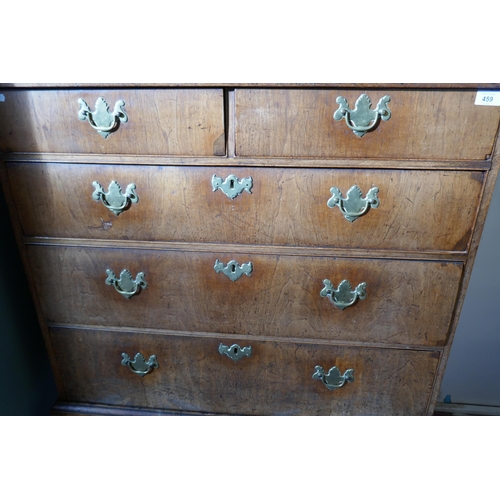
(102,119)
(232,186)
(235,352)
(344,296)
(233,270)
(353,205)
(114,199)
(126,285)
(139,365)
(362,119)
(333,379)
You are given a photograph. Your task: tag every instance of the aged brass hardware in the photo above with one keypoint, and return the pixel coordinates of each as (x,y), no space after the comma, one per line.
(233,270)
(114,199)
(344,296)
(232,186)
(126,285)
(362,119)
(353,205)
(333,379)
(139,365)
(102,119)
(235,352)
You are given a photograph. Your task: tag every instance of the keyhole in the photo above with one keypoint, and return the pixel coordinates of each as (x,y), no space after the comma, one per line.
(233,268)
(231,183)
(235,350)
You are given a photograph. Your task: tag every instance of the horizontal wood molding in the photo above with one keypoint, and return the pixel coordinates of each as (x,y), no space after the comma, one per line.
(252,249)
(251,162)
(70,409)
(247,338)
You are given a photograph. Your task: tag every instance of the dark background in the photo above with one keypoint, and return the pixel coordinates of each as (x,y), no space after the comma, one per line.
(26,383)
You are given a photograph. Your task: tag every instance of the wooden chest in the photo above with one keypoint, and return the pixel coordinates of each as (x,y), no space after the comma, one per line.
(257,250)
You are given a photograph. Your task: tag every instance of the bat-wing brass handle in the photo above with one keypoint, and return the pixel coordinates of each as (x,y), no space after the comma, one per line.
(362,119)
(353,205)
(343,296)
(126,285)
(102,119)
(139,364)
(333,379)
(115,200)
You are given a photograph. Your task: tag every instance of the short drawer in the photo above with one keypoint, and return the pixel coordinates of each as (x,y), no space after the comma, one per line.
(276,379)
(185,122)
(429,124)
(407,302)
(417,210)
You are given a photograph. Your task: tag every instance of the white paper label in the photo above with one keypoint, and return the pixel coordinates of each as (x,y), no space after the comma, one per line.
(2,98)
(487,98)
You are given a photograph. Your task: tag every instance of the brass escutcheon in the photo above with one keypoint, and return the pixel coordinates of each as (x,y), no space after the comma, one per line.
(235,352)
(232,186)
(362,119)
(233,270)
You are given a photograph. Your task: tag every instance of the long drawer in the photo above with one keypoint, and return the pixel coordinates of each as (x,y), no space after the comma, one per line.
(170,122)
(429,124)
(191,374)
(282,296)
(419,210)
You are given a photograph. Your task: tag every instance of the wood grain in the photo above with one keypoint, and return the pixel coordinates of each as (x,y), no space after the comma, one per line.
(419,210)
(424,125)
(160,122)
(409,302)
(435,166)
(275,380)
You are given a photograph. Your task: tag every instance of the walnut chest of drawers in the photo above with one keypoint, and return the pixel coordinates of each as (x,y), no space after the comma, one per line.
(255,250)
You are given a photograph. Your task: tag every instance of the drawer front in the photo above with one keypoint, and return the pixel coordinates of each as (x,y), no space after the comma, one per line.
(159,122)
(275,379)
(418,210)
(281,297)
(423,125)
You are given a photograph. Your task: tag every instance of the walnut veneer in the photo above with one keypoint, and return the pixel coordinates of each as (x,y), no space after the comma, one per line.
(434,162)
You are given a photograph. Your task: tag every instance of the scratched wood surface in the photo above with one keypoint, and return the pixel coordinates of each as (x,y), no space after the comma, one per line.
(432,124)
(421,210)
(276,379)
(408,302)
(160,122)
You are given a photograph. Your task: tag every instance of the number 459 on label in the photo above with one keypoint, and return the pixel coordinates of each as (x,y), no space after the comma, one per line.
(485,98)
